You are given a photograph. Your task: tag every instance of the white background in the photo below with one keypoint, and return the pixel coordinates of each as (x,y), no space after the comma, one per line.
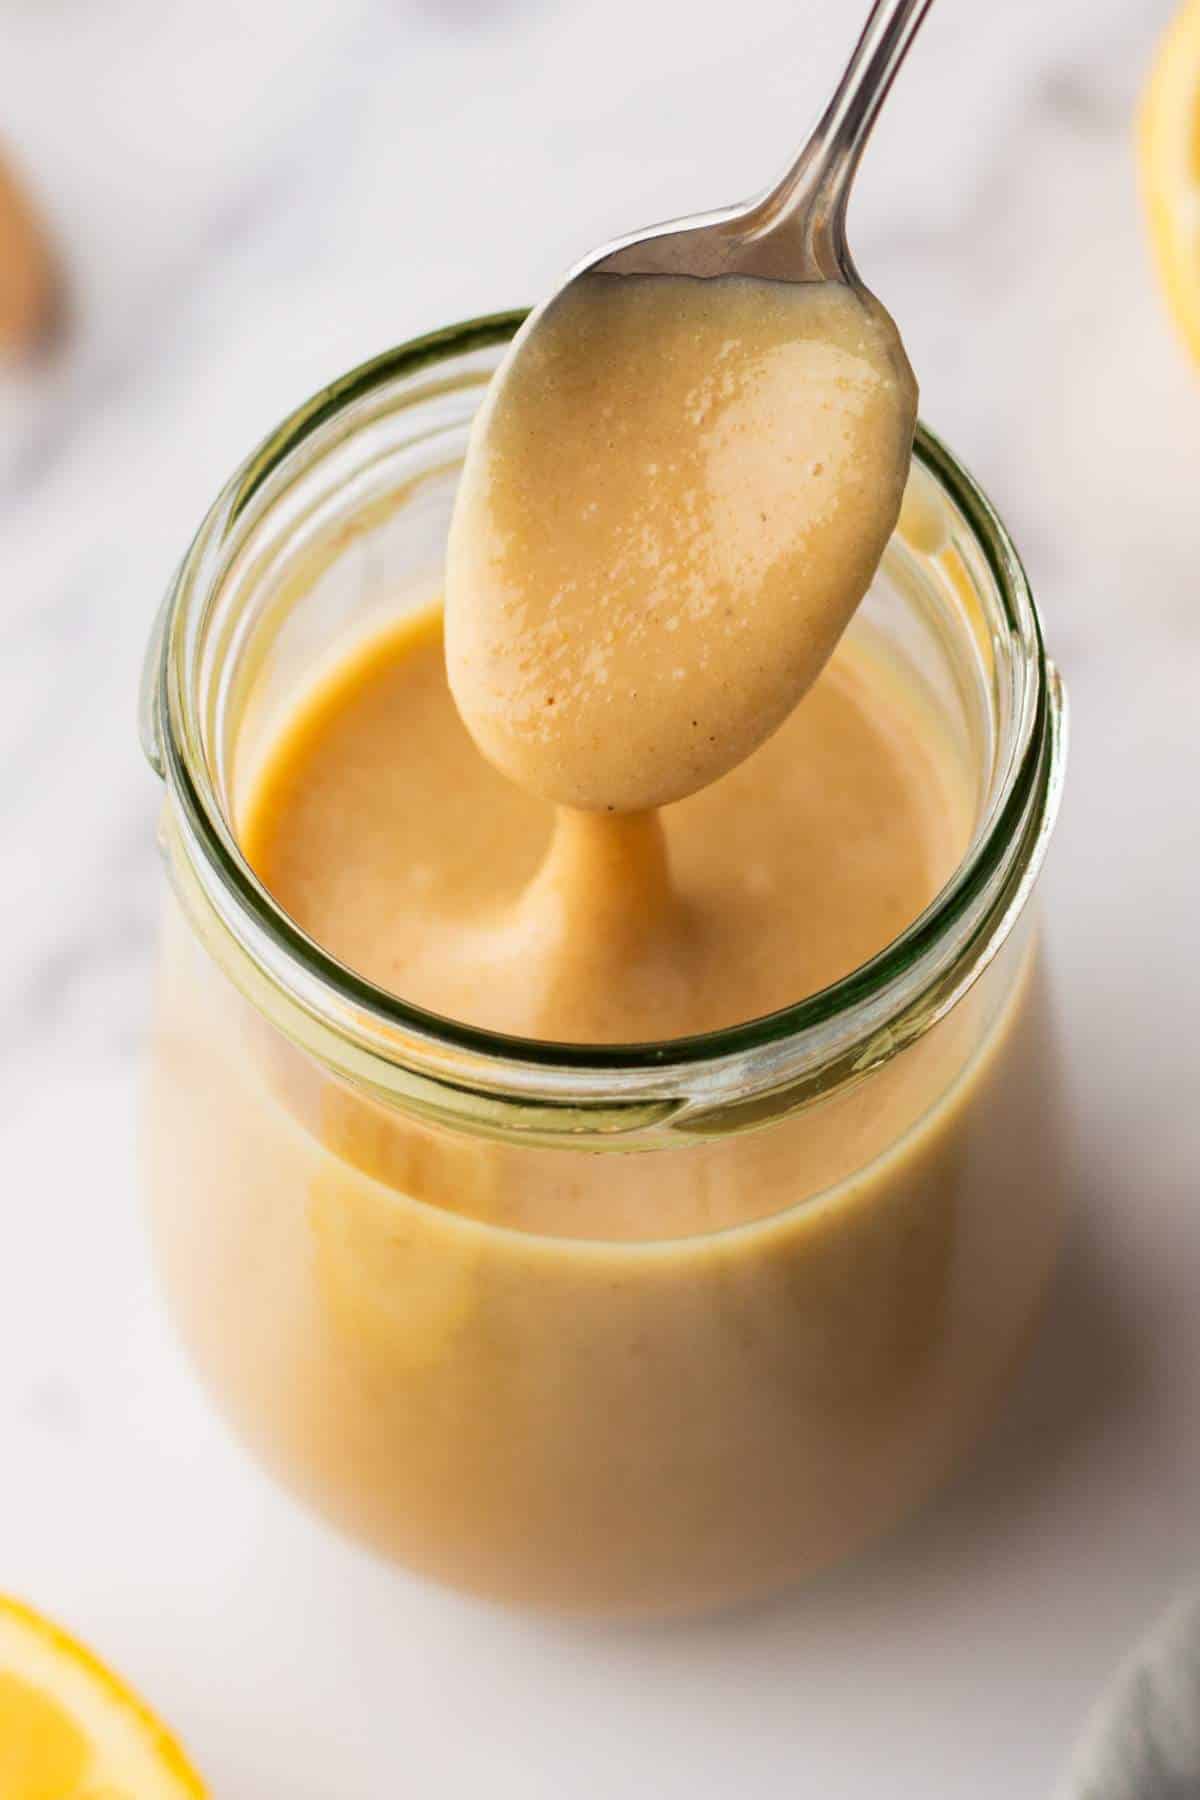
(249,198)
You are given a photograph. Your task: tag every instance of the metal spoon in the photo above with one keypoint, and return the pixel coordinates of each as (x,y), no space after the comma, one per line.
(542,574)
(797,230)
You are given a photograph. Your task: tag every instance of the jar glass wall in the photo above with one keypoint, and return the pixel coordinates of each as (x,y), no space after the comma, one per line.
(605,1411)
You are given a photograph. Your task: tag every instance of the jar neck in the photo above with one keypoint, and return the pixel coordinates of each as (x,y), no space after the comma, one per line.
(619,1096)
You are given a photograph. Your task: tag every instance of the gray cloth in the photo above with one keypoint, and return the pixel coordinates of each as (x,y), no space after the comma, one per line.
(1143,1740)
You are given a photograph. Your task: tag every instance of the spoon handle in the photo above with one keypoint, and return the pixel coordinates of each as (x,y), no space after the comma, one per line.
(816,188)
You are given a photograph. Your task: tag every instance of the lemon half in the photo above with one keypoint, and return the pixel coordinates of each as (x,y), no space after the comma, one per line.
(1169,154)
(70,1730)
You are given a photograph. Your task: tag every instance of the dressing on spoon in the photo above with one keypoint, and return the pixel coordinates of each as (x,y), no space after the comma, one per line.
(675,495)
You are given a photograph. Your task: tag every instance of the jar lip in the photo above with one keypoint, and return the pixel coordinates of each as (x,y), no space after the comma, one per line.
(392,1031)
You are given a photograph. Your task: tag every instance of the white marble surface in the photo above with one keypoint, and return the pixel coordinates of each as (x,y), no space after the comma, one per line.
(251,198)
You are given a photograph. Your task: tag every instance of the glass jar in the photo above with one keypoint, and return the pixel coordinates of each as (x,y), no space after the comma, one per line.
(617,1420)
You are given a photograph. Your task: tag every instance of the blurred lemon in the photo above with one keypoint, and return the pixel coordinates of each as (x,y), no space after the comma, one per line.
(69,1730)
(1170,166)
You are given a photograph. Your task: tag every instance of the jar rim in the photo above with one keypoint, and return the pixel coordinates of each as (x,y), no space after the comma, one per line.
(376,1037)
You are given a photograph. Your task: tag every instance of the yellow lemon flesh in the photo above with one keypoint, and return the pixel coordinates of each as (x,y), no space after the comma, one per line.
(1170,166)
(70,1730)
